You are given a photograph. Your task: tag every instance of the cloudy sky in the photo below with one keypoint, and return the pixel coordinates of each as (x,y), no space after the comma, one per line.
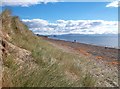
(48,17)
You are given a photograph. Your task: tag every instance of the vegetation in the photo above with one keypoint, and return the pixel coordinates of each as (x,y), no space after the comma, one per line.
(47,65)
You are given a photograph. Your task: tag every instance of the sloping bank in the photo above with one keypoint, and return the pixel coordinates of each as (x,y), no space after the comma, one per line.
(30,61)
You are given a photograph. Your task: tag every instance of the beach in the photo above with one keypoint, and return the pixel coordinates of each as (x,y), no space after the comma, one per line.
(31,60)
(103,54)
(105,58)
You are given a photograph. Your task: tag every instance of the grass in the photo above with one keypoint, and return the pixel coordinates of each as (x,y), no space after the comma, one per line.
(49,65)
(9,62)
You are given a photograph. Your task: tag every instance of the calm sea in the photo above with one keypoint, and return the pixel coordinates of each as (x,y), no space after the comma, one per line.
(99,40)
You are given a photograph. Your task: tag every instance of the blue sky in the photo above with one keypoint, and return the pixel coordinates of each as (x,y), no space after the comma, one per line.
(66,17)
(67,11)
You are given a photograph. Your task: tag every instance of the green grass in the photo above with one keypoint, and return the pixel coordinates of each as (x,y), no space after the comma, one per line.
(10,63)
(49,65)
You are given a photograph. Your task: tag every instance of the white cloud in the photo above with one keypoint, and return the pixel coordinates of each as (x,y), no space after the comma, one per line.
(43,27)
(113,4)
(25,3)
(36,23)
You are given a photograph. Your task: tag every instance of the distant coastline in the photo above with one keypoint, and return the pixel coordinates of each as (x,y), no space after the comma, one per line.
(71,38)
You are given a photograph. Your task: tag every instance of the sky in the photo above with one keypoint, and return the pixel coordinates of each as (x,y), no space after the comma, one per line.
(48,17)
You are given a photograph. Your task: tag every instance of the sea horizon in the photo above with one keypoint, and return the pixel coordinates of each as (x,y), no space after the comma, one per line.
(105,40)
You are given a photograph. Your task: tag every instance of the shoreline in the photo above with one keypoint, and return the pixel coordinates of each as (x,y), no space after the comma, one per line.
(108,54)
(79,42)
(109,47)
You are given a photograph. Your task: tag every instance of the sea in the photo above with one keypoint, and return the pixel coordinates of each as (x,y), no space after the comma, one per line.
(106,40)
